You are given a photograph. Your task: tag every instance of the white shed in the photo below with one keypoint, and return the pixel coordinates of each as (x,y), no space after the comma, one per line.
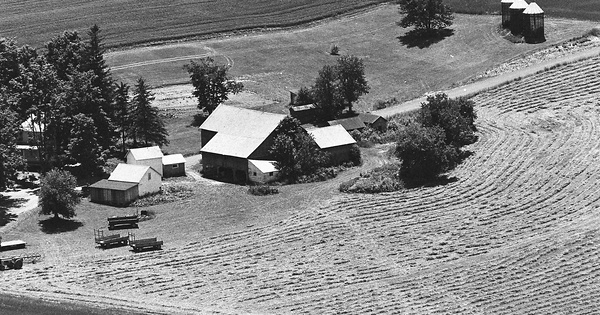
(149,156)
(260,171)
(147,178)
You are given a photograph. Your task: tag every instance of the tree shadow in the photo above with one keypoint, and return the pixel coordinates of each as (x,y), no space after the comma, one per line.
(439,181)
(5,204)
(55,225)
(424,38)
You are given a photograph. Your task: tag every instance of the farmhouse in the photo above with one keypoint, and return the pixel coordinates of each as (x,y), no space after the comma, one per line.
(374,121)
(173,165)
(350,124)
(231,136)
(149,156)
(125,184)
(334,140)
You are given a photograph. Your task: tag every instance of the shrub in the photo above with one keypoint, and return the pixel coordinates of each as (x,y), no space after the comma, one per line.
(169,193)
(304,96)
(355,157)
(334,50)
(381,179)
(380,104)
(262,190)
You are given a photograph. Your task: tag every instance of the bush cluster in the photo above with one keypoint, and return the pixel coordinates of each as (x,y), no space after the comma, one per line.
(381,179)
(168,193)
(262,190)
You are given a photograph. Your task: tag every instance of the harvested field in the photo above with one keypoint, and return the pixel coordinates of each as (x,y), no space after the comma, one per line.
(516,233)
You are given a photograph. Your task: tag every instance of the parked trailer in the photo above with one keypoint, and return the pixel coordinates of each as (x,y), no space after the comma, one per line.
(106,241)
(11,263)
(144,244)
(123,222)
(10,245)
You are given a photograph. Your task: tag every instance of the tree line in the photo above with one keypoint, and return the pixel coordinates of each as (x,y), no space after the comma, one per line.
(67,92)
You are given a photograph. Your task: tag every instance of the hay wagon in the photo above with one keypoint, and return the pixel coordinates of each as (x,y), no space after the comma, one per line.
(123,222)
(144,244)
(111,240)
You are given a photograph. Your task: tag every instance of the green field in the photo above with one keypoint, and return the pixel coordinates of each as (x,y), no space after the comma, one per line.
(583,9)
(135,21)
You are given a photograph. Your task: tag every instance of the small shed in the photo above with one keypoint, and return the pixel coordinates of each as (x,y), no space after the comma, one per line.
(146,177)
(304,113)
(374,121)
(149,156)
(173,165)
(350,124)
(533,24)
(516,16)
(506,12)
(260,171)
(114,193)
(334,140)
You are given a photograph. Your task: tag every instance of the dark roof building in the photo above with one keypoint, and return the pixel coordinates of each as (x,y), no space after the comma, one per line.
(350,124)
(374,121)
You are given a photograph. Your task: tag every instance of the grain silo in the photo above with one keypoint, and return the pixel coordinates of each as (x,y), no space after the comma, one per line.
(516,16)
(533,24)
(506,12)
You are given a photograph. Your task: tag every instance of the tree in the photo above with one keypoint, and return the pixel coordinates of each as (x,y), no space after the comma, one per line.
(83,146)
(425,15)
(65,52)
(424,152)
(57,194)
(93,60)
(326,94)
(351,77)
(211,83)
(304,96)
(148,127)
(455,117)
(10,159)
(123,120)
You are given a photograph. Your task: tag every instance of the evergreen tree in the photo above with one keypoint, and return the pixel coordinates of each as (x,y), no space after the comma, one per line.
(93,60)
(57,194)
(10,157)
(123,120)
(83,146)
(148,126)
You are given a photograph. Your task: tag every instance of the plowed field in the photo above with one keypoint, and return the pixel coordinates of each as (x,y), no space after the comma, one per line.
(516,233)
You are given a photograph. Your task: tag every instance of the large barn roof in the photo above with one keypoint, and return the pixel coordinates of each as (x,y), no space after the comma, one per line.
(129,173)
(237,121)
(519,4)
(332,136)
(173,159)
(533,8)
(114,185)
(146,153)
(232,145)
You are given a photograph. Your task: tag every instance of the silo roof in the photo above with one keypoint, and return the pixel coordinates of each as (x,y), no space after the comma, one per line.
(519,4)
(533,8)
(507,1)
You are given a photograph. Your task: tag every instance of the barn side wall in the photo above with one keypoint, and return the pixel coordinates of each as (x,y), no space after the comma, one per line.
(339,154)
(224,167)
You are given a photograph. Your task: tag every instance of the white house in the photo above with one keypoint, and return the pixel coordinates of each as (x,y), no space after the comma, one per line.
(261,171)
(146,177)
(149,156)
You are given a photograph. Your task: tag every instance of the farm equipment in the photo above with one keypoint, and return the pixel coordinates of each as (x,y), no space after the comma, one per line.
(144,244)
(10,245)
(106,241)
(11,263)
(123,222)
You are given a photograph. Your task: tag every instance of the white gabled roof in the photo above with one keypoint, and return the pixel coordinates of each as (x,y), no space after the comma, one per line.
(130,173)
(230,145)
(264,166)
(519,4)
(241,121)
(332,136)
(507,1)
(146,153)
(533,8)
(173,159)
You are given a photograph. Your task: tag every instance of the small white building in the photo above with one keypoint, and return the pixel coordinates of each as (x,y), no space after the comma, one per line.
(173,165)
(149,156)
(147,178)
(260,171)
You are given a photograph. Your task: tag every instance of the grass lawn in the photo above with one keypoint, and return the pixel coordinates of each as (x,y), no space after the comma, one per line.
(269,64)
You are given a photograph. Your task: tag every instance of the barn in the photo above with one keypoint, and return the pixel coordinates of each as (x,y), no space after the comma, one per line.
(149,156)
(113,193)
(374,121)
(231,136)
(350,124)
(334,140)
(261,171)
(173,165)
(533,24)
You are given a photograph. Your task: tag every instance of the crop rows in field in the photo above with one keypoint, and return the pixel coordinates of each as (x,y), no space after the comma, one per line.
(514,233)
(131,21)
